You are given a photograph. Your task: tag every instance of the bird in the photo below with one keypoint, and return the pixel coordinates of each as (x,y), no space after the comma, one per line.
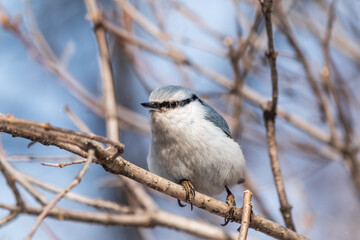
(191,145)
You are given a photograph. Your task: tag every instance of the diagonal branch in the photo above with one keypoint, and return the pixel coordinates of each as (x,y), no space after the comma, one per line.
(117,165)
(17,177)
(12,185)
(60,195)
(137,219)
(10,181)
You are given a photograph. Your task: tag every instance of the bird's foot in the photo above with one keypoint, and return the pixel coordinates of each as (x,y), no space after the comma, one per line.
(230,201)
(190,193)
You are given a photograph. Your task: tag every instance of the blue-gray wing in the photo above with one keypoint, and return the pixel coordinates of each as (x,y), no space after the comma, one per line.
(216,119)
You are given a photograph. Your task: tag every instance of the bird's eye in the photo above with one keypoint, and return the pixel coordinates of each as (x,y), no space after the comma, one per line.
(174,104)
(165,104)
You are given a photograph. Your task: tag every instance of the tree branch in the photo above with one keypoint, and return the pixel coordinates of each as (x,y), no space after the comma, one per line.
(117,165)
(137,219)
(245,219)
(60,195)
(269,118)
(112,123)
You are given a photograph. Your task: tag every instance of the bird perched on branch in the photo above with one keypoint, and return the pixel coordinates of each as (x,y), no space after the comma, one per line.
(191,145)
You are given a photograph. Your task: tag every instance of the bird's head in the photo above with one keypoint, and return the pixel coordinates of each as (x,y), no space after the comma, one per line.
(170,98)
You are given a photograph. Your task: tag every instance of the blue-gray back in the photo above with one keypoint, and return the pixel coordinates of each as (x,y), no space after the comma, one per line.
(216,119)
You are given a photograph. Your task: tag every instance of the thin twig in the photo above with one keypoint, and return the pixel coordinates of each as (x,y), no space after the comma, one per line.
(12,185)
(130,38)
(27,158)
(269,118)
(63,164)
(112,123)
(58,197)
(96,203)
(245,219)
(157,32)
(142,20)
(239,53)
(138,219)
(11,181)
(261,207)
(77,121)
(13,214)
(140,195)
(346,44)
(39,197)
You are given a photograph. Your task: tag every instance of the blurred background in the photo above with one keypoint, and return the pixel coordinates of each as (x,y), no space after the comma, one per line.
(49,60)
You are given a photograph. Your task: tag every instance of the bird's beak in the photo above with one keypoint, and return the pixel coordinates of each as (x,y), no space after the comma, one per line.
(149,106)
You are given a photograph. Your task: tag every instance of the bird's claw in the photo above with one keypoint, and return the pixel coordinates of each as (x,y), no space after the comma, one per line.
(180,204)
(190,193)
(230,201)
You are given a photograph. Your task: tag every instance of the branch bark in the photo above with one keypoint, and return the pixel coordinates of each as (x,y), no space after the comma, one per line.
(269,118)
(245,219)
(111,114)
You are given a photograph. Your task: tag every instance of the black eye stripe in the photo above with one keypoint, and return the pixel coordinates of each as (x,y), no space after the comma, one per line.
(175,104)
